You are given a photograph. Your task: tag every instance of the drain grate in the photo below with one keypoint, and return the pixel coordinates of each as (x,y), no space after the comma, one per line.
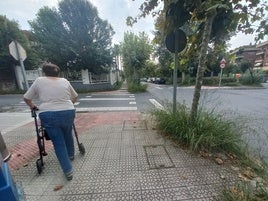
(134,125)
(158,157)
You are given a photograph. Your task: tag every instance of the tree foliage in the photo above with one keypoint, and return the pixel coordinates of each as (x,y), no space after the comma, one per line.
(136,50)
(213,21)
(74,36)
(9,31)
(50,36)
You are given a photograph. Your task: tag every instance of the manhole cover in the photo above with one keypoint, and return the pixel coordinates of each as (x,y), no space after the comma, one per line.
(157,157)
(134,125)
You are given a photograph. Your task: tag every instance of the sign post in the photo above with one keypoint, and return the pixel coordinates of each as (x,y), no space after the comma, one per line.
(222,66)
(18,53)
(175,43)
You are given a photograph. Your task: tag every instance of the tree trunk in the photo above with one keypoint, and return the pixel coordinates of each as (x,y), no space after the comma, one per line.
(182,77)
(201,63)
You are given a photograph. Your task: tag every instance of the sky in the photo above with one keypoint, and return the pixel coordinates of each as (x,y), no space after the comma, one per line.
(114,11)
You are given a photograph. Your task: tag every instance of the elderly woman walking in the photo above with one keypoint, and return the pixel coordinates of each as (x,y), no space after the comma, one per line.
(56,112)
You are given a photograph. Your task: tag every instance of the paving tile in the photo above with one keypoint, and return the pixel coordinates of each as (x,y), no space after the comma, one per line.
(116,166)
(104,196)
(83,197)
(179,193)
(134,125)
(155,195)
(179,177)
(129,196)
(201,191)
(158,157)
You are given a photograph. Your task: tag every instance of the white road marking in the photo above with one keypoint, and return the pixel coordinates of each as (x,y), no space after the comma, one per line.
(132,103)
(156,104)
(120,99)
(94,109)
(158,87)
(105,94)
(131,96)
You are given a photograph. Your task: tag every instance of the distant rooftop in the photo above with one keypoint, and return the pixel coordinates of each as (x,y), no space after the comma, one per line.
(262,44)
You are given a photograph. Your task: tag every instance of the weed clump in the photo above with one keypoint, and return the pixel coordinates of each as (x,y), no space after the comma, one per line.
(209,130)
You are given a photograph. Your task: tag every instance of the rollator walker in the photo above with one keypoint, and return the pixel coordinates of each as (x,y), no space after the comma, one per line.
(42,136)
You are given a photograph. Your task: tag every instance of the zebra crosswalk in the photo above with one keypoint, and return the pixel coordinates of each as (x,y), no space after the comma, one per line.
(18,107)
(95,102)
(107,102)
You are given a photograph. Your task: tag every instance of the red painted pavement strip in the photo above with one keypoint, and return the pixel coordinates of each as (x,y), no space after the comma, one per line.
(25,151)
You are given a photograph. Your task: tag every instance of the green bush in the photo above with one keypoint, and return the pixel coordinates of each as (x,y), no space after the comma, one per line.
(209,81)
(134,87)
(214,81)
(254,79)
(118,85)
(189,81)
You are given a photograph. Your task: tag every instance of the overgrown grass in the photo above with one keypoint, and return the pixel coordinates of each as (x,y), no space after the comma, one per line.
(244,192)
(211,131)
(215,133)
(118,85)
(136,88)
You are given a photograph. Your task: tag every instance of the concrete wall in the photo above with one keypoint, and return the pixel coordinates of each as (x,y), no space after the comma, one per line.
(8,85)
(85,84)
(7,80)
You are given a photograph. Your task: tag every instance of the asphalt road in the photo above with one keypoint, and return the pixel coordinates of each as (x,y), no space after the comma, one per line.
(89,102)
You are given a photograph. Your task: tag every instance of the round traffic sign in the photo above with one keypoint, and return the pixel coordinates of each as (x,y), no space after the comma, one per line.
(170,41)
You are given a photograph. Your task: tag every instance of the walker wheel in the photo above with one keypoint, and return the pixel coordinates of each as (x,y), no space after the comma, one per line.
(39,166)
(82,149)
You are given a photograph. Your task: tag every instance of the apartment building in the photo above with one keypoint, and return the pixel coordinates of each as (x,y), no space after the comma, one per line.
(257,55)
(261,61)
(244,53)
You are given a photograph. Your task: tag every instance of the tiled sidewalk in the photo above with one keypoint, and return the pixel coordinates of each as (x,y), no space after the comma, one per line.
(126,159)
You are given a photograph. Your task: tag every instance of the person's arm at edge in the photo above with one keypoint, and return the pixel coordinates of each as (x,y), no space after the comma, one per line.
(74,94)
(74,99)
(29,103)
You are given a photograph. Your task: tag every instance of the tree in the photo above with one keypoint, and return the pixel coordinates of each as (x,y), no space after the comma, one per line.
(9,31)
(50,36)
(216,19)
(136,50)
(150,70)
(74,36)
(116,55)
(165,59)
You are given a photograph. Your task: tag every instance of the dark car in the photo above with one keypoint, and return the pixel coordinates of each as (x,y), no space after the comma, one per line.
(160,81)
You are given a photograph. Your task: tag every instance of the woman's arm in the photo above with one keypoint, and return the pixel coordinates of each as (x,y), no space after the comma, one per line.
(74,99)
(29,103)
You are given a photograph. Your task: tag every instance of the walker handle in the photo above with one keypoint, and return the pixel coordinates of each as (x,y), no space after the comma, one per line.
(33,111)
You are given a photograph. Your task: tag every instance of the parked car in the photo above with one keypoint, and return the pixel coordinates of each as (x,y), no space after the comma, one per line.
(151,79)
(144,79)
(160,81)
